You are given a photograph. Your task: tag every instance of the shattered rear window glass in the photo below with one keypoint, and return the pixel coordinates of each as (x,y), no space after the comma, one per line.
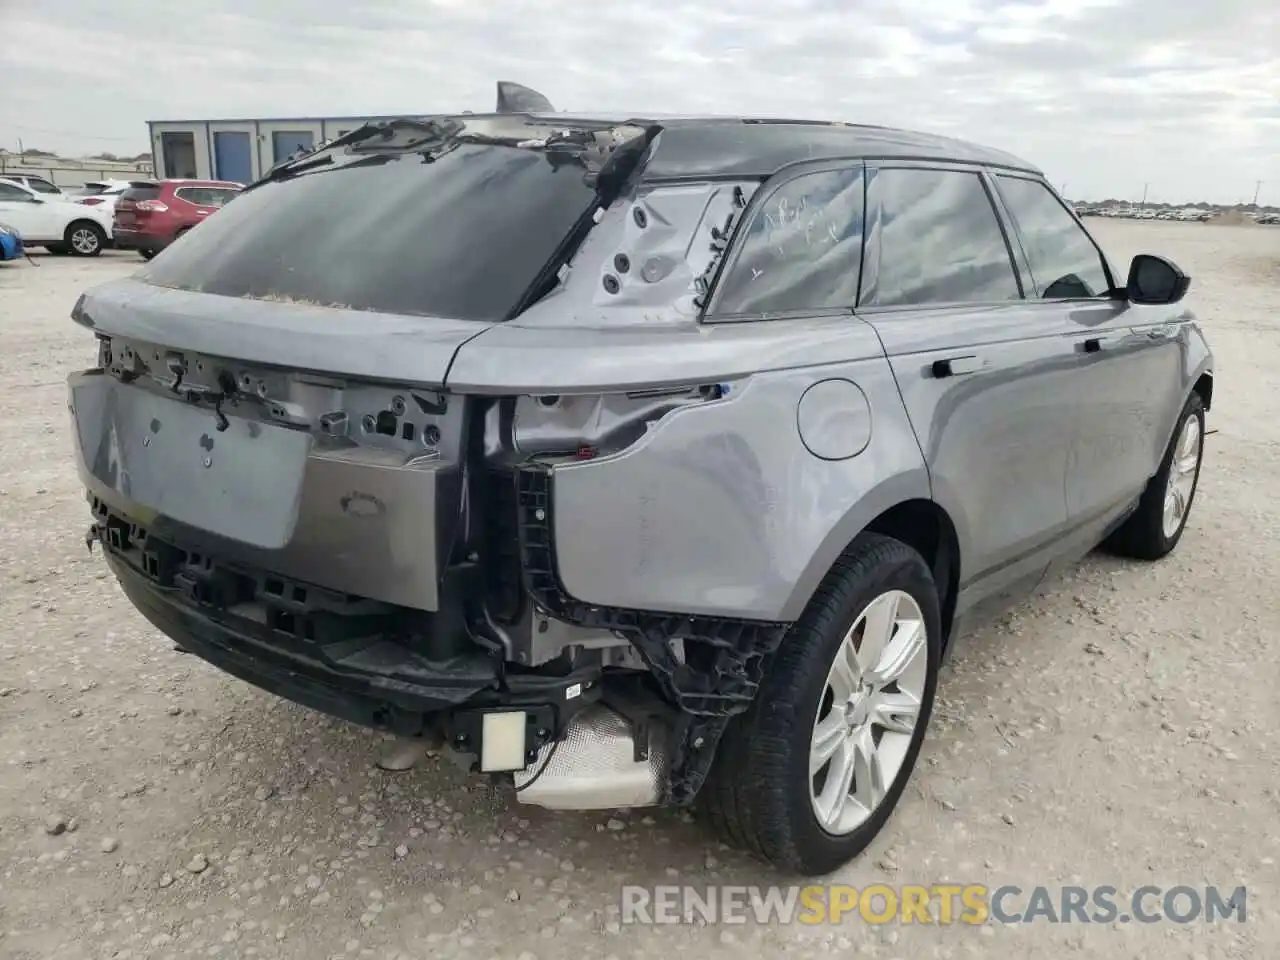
(461,235)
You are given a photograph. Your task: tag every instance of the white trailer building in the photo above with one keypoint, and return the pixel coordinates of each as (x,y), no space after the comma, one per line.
(243,150)
(238,150)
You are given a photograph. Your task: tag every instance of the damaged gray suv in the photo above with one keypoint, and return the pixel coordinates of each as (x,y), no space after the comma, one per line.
(639,460)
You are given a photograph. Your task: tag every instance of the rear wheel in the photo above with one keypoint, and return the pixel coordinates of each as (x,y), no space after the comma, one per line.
(85,238)
(811,773)
(57,249)
(147,254)
(1156,526)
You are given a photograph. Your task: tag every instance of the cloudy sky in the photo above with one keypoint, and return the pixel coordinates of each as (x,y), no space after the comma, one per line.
(1104,95)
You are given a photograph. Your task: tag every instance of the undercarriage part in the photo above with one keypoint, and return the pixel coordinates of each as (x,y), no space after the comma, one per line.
(603,761)
(410,672)
(723,661)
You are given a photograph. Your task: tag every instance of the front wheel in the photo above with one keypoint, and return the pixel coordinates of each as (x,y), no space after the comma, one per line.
(85,239)
(811,773)
(1156,526)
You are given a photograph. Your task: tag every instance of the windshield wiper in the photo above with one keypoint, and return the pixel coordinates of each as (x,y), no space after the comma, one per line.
(430,131)
(292,168)
(608,181)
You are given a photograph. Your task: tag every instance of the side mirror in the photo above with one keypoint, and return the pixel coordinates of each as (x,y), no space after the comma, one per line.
(1155,280)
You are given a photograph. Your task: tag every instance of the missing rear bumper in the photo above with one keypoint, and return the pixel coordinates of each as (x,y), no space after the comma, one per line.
(363,661)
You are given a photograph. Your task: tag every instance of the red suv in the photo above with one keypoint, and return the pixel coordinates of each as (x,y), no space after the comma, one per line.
(152,214)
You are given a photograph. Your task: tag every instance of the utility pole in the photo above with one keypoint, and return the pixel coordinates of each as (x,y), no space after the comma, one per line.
(1257,190)
(1144,195)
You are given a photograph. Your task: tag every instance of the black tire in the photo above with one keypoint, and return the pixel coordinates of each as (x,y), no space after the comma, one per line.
(757,795)
(147,254)
(84,238)
(1142,535)
(57,249)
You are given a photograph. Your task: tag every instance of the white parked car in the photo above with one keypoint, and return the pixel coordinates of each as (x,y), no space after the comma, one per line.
(100,193)
(54,221)
(38,184)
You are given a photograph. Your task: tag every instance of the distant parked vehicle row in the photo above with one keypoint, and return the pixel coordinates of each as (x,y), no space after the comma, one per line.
(151,214)
(142,215)
(1185,214)
(53,220)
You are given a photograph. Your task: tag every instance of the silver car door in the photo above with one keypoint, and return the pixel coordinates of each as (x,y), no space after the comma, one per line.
(1129,382)
(987,379)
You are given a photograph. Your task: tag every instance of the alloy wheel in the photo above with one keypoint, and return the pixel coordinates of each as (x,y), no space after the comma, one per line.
(870,705)
(1182,475)
(84,240)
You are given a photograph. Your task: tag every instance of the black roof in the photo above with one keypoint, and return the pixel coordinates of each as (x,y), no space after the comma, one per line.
(692,146)
(758,148)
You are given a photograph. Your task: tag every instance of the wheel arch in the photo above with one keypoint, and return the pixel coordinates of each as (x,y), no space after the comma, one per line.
(914,518)
(1204,387)
(84,221)
(926,527)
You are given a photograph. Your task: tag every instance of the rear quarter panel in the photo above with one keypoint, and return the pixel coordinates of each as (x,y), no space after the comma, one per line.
(724,510)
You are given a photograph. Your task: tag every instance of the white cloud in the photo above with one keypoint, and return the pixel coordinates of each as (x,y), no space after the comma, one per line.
(1102,94)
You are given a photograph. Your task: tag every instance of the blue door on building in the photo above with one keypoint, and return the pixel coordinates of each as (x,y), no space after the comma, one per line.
(285,142)
(232,156)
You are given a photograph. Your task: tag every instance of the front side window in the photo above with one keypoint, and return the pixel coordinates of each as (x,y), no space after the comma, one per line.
(940,241)
(1063,260)
(802,249)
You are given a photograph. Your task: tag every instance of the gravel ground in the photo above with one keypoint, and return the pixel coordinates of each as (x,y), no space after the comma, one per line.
(1119,729)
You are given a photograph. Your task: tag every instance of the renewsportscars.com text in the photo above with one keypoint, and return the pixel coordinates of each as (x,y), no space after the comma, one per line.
(940,904)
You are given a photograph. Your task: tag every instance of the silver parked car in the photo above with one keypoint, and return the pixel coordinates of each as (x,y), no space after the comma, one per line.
(638,460)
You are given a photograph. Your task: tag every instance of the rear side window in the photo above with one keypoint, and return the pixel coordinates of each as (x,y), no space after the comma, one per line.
(195,195)
(802,250)
(9,192)
(41,186)
(217,196)
(1064,261)
(940,241)
(462,235)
